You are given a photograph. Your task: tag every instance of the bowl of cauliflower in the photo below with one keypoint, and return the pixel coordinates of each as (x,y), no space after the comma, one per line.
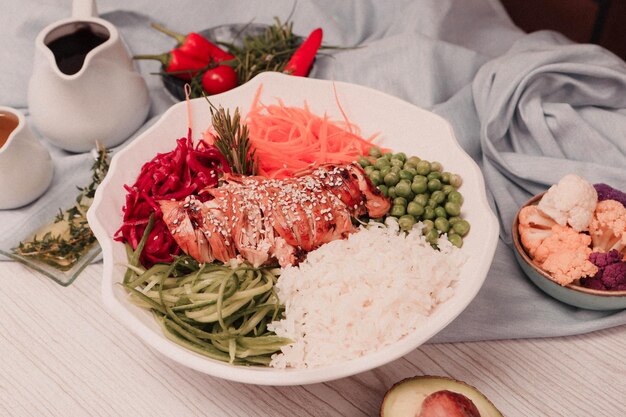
(571,242)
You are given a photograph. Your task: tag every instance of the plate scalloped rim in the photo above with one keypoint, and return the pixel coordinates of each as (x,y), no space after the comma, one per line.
(350,95)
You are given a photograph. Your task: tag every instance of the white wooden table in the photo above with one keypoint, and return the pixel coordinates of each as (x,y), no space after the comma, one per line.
(62,354)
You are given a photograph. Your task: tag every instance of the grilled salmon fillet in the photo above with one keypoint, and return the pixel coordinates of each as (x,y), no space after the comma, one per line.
(266,220)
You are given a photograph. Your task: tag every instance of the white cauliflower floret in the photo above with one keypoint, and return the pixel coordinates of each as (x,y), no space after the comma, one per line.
(570,202)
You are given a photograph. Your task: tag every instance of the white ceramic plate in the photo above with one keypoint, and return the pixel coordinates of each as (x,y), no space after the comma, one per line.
(402,127)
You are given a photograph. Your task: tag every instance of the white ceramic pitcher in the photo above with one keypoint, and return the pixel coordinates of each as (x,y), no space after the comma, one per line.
(26,168)
(87,90)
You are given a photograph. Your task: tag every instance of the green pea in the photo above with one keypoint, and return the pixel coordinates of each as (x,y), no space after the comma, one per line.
(408,165)
(432,204)
(400,201)
(445,177)
(432,236)
(421,199)
(423,167)
(381,162)
(414,160)
(455,197)
(420,178)
(385,170)
(447,188)
(452,208)
(374,152)
(392,178)
(428,226)
(406,222)
(434,175)
(396,170)
(455,180)
(369,169)
(397,210)
(401,156)
(406,175)
(454,219)
(415,209)
(376,178)
(419,185)
(461,227)
(391,192)
(364,162)
(396,163)
(456,240)
(451,231)
(434,185)
(384,190)
(403,189)
(442,224)
(429,213)
(413,171)
(388,156)
(441,212)
(438,196)
(436,166)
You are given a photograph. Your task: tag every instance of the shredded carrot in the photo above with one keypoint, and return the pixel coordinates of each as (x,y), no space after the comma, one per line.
(288,139)
(345,117)
(189,117)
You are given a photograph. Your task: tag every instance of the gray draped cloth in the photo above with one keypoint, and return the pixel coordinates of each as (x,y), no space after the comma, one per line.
(528,108)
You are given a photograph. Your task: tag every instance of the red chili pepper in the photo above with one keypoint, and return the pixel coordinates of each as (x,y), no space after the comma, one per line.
(302,59)
(178,63)
(219,79)
(197,45)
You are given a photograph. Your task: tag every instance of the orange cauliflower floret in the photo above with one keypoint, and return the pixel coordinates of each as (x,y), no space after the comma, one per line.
(534,227)
(565,255)
(559,250)
(570,202)
(608,227)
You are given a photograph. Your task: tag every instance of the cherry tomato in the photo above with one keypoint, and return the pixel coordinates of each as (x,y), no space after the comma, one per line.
(219,79)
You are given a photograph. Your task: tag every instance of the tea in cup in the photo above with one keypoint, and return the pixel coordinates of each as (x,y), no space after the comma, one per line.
(26,168)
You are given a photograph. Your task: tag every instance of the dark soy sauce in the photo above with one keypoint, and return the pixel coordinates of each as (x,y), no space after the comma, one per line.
(70,50)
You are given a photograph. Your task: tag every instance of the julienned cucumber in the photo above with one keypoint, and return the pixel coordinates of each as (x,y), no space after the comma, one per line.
(218,311)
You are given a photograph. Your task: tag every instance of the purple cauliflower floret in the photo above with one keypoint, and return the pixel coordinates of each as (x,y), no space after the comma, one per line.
(606,192)
(603,259)
(611,273)
(593,283)
(614,276)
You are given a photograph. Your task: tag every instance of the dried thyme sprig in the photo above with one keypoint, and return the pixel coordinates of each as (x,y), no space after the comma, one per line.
(232,140)
(62,243)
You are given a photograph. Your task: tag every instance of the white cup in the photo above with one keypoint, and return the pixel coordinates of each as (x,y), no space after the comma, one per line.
(26,168)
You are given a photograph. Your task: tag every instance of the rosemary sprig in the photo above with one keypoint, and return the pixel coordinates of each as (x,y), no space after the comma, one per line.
(232,140)
(268,51)
(62,243)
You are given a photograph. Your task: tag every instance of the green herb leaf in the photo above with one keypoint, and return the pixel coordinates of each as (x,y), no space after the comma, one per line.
(269,51)
(62,243)
(232,140)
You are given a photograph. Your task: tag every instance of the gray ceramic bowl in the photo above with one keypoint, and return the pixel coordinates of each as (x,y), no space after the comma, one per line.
(572,294)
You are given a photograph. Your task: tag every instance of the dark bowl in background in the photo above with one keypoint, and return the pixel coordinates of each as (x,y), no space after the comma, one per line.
(230,33)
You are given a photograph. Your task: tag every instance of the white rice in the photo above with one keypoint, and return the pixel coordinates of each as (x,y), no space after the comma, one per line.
(355,296)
